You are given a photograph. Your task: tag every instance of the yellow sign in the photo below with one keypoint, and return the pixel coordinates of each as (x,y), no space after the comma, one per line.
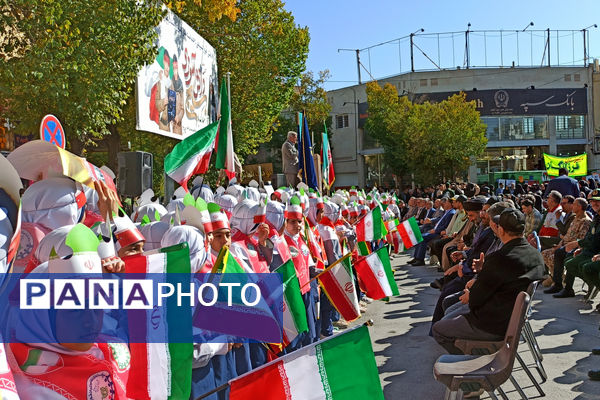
(575,165)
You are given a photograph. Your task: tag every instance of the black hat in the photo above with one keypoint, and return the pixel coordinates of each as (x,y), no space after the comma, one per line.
(492,200)
(594,195)
(461,197)
(475,204)
(511,220)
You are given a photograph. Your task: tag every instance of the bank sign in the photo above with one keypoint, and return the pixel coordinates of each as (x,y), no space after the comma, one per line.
(519,101)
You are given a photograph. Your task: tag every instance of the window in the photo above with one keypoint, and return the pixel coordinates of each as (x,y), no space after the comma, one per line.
(423,82)
(570,126)
(493,127)
(341,121)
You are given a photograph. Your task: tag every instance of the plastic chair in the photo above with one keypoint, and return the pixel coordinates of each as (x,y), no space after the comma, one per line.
(467,373)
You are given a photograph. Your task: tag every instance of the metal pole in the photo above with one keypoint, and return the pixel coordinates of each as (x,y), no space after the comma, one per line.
(467,47)
(412,56)
(358,65)
(549,62)
(584,50)
(501,50)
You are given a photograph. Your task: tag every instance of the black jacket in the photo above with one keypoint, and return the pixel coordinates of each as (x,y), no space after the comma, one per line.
(504,274)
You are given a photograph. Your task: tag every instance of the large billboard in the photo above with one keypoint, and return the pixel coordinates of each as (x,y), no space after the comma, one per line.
(177,93)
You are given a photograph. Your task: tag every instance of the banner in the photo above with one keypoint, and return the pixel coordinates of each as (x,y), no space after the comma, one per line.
(575,165)
(177,93)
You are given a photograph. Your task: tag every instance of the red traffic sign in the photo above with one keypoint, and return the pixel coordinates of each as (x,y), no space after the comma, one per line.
(52,131)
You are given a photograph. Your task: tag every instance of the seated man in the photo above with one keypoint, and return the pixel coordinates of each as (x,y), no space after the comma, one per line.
(504,274)
(549,231)
(434,233)
(555,257)
(533,218)
(587,248)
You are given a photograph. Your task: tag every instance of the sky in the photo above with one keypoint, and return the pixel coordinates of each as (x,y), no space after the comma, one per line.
(352,24)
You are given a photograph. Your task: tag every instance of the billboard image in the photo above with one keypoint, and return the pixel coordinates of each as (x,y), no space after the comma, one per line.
(177,93)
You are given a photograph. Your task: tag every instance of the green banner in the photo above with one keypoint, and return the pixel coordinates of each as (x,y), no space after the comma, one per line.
(575,165)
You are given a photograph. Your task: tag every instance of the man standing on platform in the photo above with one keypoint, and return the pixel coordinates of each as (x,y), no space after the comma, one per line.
(289,158)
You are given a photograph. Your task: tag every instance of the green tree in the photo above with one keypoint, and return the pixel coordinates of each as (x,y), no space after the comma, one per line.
(431,141)
(76,59)
(309,97)
(266,52)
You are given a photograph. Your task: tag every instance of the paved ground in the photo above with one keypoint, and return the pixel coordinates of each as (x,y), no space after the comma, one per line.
(566,329)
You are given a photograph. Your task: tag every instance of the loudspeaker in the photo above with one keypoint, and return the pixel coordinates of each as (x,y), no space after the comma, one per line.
(135,172)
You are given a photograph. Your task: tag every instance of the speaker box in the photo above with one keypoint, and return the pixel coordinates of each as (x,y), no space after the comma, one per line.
(135,172)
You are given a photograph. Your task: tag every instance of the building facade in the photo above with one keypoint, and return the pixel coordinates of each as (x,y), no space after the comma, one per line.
(528,112)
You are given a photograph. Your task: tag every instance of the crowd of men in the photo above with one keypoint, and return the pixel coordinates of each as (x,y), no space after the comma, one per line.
(489,245)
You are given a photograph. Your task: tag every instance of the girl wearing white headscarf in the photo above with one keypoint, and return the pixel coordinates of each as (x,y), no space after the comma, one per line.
(153,233)
(54,202)
(244,244)
(195,240)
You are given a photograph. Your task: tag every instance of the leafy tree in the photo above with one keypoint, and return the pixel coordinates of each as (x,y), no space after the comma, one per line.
(309,97)
(215,9)
(266,52)
(432,141)
(76,59)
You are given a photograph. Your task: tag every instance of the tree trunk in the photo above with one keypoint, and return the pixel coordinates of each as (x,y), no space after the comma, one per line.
(113,146)
(76,145)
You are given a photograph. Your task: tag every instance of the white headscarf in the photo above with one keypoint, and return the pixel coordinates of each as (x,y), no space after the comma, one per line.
(242,218)
(54,240)
(91,199)
(195,240)
(227,203)
(150,210)
(203,191)
(52,203)
(175,203)
(312,209)
(252,194)
(331,211)
(275,216)
(6,233)
(154,232)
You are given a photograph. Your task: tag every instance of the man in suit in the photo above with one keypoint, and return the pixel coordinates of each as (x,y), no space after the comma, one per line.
(563,184)
(492,296)
(289,158)
(434,233)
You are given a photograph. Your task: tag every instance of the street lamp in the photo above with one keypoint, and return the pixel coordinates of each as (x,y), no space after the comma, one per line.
(585,55)
(412,57)
(528,25)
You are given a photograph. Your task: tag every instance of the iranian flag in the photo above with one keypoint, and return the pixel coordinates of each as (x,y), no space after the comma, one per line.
(410,233)
(337,282)
(160,370)
(371,227)
(294,311)
(339,368)
(191,156)
(225,158)
(375,275)
(327,157)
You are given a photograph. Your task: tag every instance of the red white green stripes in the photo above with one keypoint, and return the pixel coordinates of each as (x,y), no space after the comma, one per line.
(410,233)
(338,284)
(375,275)
(225,159)
(294,312)
(161,370)
(340,368)
(191,156)
(371,227)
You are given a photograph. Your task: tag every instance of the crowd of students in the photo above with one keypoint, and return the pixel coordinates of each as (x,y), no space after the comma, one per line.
(253,222)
